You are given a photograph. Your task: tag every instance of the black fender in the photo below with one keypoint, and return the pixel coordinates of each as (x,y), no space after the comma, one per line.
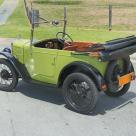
(20,68)
(85,68)
(11,59)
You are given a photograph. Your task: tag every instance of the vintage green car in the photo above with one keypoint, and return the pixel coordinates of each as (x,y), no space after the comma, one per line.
(81,69)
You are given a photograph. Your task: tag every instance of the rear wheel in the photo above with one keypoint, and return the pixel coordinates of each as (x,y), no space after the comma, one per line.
(80,93)
(113,71)
(8,76)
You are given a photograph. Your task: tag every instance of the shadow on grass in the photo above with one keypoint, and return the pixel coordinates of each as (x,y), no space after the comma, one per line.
(54,96)
(59,2)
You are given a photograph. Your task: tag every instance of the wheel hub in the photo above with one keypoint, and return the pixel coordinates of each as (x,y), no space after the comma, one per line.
(81,89)
(114,83)
(79,93)
(5,74)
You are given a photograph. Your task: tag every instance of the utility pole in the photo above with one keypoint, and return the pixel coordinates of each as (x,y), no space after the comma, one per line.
(110,17)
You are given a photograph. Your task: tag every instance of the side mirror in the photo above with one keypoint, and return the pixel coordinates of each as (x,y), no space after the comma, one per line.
(34,17)
(55,22)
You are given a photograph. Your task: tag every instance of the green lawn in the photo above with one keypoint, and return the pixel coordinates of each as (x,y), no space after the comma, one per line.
(1,2)
(81,27)
(91,13)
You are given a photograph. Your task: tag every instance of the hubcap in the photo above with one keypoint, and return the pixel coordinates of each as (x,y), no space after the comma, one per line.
(79,94)
(5,75)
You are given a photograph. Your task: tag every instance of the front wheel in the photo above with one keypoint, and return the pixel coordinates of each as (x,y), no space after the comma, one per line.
(80,93)
(8,76)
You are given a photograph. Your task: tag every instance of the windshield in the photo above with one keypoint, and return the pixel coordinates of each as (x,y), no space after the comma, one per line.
(49,23)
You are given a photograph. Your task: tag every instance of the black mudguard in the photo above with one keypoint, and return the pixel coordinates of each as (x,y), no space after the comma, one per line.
(87,69)
(11,59)
(20,69)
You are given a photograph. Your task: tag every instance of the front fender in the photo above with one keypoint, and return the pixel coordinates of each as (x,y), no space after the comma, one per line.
(11,59)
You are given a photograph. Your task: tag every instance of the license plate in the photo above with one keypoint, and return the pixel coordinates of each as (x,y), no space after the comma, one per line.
(123,80)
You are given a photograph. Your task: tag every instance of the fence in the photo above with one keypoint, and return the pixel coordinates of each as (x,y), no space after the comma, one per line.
(92,13)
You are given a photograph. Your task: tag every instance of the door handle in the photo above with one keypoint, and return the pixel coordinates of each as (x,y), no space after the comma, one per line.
(54,60)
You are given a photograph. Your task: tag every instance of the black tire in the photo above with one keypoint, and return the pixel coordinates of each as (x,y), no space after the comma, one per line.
(10,74)
(120,93)
(80,93)
(128,67)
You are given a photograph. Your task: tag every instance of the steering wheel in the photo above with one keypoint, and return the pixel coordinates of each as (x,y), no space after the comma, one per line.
(64,38)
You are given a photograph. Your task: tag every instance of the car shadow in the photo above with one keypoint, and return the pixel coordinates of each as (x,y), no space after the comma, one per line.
(53,95)
(41,92)
(106,103)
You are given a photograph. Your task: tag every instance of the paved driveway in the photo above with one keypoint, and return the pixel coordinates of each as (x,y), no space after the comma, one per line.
(35,110)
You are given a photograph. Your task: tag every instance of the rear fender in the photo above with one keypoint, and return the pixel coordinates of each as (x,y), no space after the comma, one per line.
(85,68)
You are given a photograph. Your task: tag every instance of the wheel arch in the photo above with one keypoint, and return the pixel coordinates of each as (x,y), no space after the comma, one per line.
(11,59)
(83,68)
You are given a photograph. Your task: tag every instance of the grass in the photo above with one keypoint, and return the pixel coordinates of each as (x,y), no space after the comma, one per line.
(1,1)
(77,34)
(87,20)
(91,13)
(58,2)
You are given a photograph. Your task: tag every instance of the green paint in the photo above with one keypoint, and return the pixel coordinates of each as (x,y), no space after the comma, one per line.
(46,64)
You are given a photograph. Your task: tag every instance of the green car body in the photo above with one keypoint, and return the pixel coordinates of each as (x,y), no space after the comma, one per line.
(46,65)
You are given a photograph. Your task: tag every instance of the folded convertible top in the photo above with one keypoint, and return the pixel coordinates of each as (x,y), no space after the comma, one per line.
(120,53)
(114,44)
(119,45)
(114,41)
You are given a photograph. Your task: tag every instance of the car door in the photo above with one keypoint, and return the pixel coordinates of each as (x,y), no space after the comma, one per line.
(44,62)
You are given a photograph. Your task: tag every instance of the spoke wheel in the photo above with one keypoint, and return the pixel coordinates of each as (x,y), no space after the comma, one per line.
(80,93)
(8,76)
(113,71)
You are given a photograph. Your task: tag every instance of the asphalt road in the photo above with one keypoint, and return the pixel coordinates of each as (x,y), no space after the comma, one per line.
(35,110)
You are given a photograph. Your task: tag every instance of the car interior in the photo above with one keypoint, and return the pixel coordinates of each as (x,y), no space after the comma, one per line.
(69,46)
(50,44)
